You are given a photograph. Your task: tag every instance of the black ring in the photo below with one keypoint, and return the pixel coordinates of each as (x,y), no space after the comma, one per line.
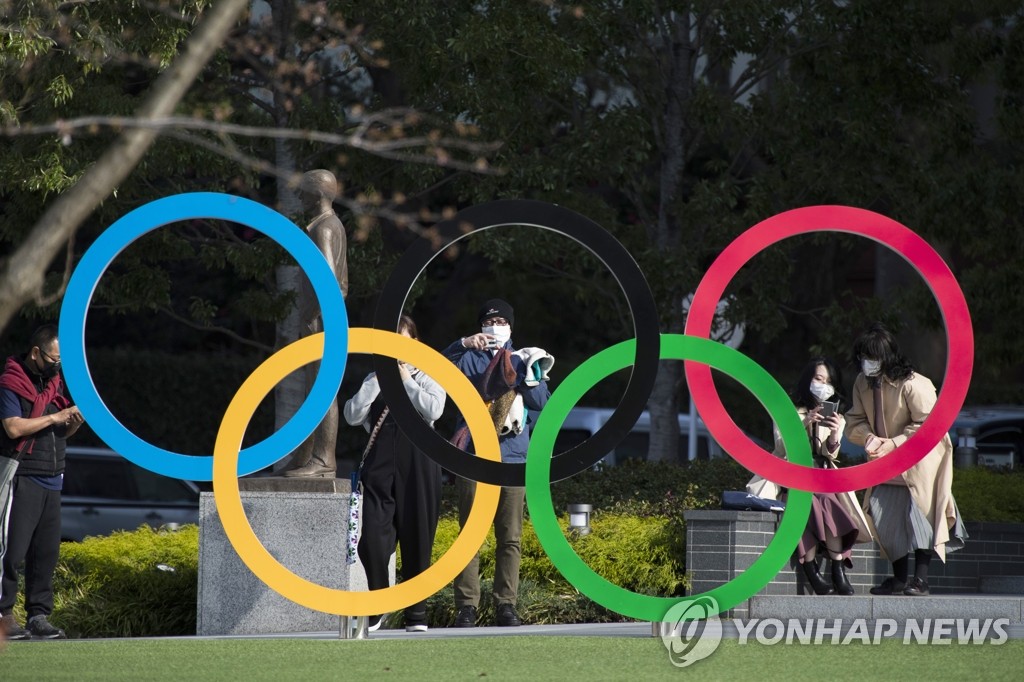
(609,251)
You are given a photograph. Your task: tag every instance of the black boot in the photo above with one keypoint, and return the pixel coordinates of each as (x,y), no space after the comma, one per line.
(815,580)
(839,579)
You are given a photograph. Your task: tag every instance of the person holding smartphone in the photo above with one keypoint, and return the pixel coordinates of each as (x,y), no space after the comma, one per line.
(831,526)
(914,512)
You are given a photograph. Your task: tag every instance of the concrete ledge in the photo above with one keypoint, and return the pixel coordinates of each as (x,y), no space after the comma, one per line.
(306,532)
(803,607)
(896,608)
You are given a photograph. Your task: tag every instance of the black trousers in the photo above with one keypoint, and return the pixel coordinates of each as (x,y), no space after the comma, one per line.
(33,536)
(401,504)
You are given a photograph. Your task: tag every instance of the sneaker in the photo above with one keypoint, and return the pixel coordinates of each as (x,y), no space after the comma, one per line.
(41,628)
(374,623)
(415,627)
(466,617)
(507,616)
(889,586)
(10,627)
(917,588)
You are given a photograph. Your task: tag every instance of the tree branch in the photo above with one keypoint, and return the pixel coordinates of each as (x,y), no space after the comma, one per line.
(22,275)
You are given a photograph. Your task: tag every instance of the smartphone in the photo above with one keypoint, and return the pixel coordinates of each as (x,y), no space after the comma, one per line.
(828,408)
(492,343)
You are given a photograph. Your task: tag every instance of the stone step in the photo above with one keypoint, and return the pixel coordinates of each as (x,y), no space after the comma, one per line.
(899,608)
(1001,584)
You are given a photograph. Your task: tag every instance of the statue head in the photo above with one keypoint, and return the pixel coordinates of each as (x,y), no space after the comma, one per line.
(317,190)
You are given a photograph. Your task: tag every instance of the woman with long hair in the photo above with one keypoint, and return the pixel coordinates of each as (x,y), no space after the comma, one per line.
(831,527)
(914,513)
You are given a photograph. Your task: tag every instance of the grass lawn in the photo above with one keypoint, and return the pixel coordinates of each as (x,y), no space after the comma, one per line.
(495,658)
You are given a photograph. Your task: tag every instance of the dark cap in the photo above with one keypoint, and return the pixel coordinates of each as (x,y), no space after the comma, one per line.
(496,308)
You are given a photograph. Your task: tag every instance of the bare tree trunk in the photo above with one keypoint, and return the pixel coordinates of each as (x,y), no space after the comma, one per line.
(678,51)
(291,392)
(23,272)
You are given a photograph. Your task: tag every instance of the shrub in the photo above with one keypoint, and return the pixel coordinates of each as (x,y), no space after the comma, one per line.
(644,555)
(984,494)
(112,587)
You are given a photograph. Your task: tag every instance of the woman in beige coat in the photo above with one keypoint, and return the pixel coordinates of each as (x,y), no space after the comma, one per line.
(915,511)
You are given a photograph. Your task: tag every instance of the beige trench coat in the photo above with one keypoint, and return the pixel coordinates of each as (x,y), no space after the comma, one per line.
(905,406)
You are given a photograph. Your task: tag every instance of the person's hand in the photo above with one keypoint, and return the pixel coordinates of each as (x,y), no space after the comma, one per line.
(68,416)
(878,447)
(835,423)
(405,370)
(477,341)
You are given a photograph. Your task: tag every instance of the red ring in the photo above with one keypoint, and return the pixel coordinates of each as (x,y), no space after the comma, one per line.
(955,315)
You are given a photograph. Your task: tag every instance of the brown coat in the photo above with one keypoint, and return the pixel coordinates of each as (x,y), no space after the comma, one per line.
(905,406)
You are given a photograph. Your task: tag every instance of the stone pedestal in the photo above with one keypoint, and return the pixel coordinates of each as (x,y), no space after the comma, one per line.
(303,523)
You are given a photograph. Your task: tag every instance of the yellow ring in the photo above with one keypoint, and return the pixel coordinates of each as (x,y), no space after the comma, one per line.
(251,550)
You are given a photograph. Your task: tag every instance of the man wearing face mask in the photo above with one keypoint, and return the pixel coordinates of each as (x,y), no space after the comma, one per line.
(36,418)
(513,383)
(914,513)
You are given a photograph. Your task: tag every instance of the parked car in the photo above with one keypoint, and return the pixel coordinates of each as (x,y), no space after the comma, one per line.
(583,422)
(998,433)
(104,492)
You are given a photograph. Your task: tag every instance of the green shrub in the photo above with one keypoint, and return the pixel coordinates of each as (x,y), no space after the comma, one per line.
(111,586)
(644,555)
(984,494)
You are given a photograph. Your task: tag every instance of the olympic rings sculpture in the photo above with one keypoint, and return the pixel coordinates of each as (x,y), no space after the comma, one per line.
(542,467)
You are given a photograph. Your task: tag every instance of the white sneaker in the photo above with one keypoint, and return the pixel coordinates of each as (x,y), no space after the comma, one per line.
(417,627)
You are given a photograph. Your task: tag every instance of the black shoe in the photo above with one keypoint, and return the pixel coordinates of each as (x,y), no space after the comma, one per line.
(10,628)
(889,586)
(815,580)
(373,623)
(41,628)
(917,588)
(839,579)
(466,617)
(507,616)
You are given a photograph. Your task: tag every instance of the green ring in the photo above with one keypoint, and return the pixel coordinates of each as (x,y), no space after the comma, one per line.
(538,475)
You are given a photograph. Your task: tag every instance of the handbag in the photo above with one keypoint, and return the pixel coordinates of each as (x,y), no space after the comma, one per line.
(742,501)
(763,488)
(865,529)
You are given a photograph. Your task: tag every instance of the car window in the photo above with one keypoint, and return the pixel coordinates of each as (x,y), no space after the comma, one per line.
(153,487)
(569,438)
(1000,446)
(99,477)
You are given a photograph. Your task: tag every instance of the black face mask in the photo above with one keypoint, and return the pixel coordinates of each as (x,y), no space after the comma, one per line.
(50,370)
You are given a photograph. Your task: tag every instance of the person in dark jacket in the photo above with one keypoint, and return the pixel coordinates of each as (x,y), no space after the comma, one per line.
(514,384)
(37,418)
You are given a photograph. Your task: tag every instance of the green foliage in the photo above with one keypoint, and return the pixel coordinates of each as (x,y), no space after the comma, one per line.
(111,586)
(173,401)
(984,494)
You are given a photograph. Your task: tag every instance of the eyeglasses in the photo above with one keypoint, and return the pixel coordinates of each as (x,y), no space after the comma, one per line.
(494,321)
(53,360)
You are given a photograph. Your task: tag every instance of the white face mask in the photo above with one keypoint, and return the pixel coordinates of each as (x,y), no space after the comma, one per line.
(871,368)
(822,391)
(501,333)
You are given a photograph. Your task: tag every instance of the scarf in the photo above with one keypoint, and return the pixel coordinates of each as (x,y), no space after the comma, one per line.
(16,379)
(497,387)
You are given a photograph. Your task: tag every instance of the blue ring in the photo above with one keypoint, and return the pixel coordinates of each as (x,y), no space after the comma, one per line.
(162,212)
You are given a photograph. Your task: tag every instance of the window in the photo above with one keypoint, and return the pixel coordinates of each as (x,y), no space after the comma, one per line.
(99,477)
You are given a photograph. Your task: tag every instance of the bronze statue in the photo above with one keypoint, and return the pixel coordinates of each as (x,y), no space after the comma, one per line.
(315,458)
